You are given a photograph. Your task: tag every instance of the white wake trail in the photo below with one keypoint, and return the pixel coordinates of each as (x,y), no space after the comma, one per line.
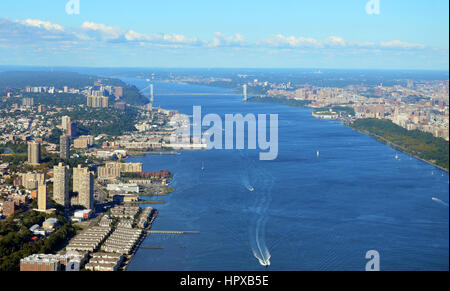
(439,201)
(262,198)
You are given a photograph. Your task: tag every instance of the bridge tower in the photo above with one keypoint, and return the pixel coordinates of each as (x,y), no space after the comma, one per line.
(245,92)
(152,97)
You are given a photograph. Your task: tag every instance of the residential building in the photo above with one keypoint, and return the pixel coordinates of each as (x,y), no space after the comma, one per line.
(9,208)
(97,101)
(64,147)
(42,197)
(83,142)
(30,181)
(34,153)
(65,123)
(83,184)
(61,185)
(114,170)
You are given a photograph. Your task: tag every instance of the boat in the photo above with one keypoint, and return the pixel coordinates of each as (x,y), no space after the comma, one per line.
(396,157)
(318,153)
(203,166)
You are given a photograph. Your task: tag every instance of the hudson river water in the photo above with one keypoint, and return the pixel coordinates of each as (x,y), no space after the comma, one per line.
(309,212)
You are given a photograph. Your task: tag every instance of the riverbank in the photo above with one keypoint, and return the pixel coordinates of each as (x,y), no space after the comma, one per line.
(399,148)
(128,260)
(280,100)
(421,145)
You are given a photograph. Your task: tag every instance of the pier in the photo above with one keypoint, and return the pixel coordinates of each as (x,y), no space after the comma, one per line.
(144,202)
(172,232)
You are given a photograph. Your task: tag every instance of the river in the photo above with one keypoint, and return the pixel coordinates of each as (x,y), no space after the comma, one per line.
(306,211)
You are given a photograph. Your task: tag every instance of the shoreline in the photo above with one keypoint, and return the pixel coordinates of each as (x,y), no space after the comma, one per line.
(396,147)
(378,138)
(128,261)
(305,106)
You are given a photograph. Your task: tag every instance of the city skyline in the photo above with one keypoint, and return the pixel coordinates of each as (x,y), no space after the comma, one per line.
(290,34)
(266,135)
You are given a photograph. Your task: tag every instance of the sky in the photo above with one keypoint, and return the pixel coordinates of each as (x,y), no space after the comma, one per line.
(344,34)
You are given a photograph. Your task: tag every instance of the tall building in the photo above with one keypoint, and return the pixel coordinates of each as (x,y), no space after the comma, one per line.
(65,122)
(9,208)
(61,185)
(31,181)
(41,109)
(72,129)
(34,153)
(83,142)
(64,147)
(118,92)
(152,97)
(29,102)
(97,101)
(83,184)
(42,197)
(114,170)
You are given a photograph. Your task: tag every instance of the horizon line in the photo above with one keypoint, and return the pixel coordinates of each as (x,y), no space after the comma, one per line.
(223,68)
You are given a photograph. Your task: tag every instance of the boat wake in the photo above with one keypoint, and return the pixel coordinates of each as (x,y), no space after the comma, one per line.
(258,243)
(246,182)
(261,202)
(439,201)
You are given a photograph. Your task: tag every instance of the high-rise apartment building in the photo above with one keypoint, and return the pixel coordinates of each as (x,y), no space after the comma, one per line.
(97,101)
(83,184)
(42,197)
(72,129)
(29,102)
(64,147)
(61,185)
(34,153)
(65,122)
(118,92)
(30,181)
(83,142)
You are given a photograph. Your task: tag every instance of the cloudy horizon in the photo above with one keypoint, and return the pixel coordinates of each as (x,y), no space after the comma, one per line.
(83,40)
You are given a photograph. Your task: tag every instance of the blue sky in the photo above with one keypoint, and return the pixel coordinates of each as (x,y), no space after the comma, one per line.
(211,33)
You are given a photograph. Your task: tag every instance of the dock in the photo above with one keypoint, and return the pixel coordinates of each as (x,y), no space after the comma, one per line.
(145,202)
(172,232)
(152,248)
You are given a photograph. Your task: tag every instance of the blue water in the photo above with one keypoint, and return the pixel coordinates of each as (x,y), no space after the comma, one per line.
(311,213)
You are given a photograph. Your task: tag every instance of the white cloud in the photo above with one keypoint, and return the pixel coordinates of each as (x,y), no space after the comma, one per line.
(103,31)
(115,34)
(220,40)
(335,41)
(134,36)
(47,25)
(283,41)
(32,32)
(90,34)
(401,45)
